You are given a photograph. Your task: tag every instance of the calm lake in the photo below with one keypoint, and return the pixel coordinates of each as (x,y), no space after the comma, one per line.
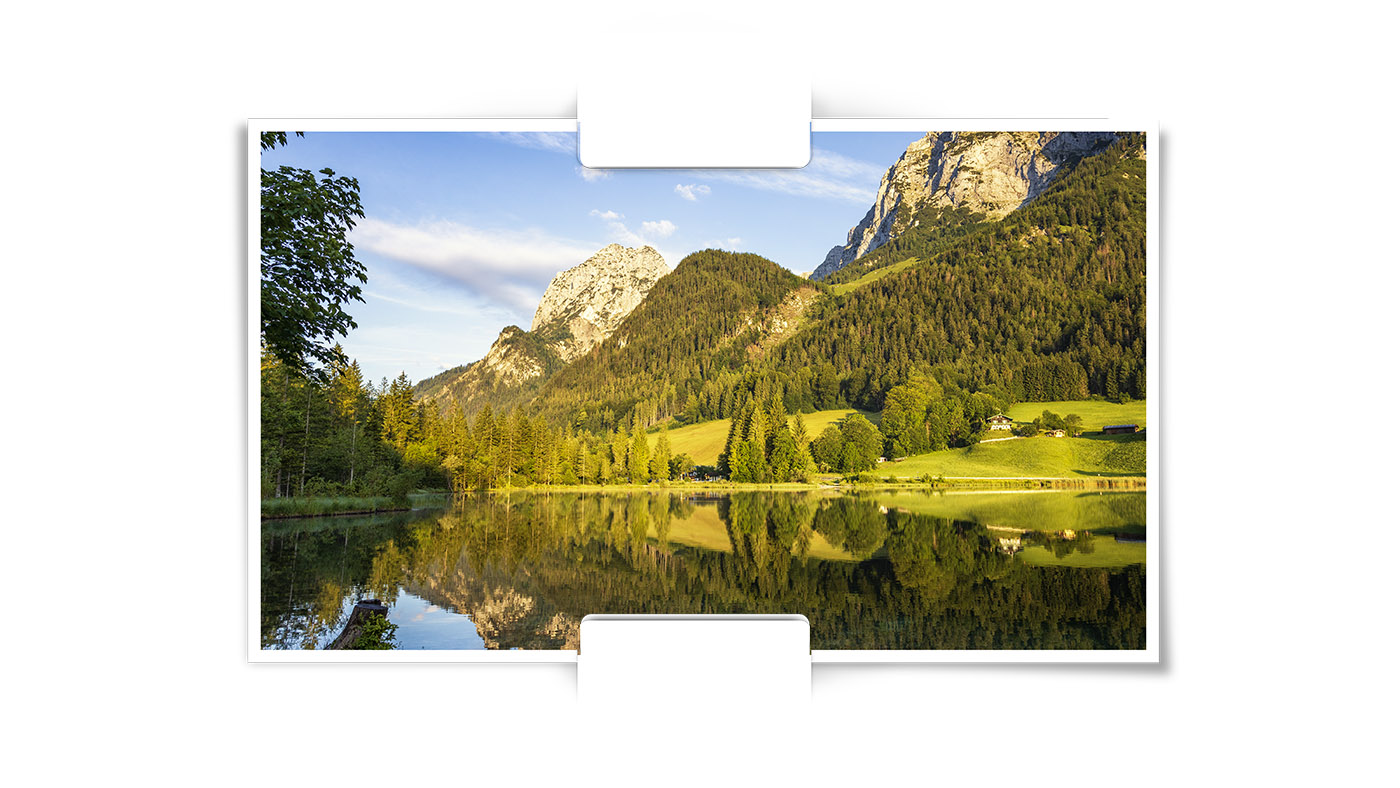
(871,570)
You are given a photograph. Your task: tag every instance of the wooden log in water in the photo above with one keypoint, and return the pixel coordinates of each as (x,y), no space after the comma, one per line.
(363,611)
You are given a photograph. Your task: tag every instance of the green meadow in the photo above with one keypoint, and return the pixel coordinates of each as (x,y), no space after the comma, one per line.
(878,273)
(1041,457)
(1095,413)
(704,442)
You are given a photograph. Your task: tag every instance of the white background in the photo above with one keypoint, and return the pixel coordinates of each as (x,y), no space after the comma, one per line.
(122,316)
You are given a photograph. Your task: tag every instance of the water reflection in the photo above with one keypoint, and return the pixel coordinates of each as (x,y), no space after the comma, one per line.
(521,570)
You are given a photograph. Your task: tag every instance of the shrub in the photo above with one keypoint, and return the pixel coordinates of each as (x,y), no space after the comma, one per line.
(377,635)
(316,487)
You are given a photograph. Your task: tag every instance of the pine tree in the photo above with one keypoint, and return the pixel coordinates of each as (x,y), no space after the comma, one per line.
(637,458)
(399,412)
(487,440)
(661,458)
(731,444)
(619,455)
(782,460)
(799,432)
(756,436)
(348,397)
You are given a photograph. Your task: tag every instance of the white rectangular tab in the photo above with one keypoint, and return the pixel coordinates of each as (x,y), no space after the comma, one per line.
(677,121)
(700,659)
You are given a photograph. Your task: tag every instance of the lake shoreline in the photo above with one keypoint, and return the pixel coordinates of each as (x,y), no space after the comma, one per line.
(336,514)
(1132,483)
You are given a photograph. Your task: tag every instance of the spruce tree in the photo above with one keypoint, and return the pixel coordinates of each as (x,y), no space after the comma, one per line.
(661,458)
(637,458)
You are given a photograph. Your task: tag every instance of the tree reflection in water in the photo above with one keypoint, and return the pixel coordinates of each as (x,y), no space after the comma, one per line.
(527,567)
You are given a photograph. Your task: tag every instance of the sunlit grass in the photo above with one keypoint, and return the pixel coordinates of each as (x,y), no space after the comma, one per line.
(1095,413)
(704,441)
(1044,457)
(878,273)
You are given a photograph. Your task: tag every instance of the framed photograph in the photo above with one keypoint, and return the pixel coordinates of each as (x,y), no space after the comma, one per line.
(906,391)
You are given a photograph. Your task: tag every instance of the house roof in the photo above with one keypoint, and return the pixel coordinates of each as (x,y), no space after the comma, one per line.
(999,417)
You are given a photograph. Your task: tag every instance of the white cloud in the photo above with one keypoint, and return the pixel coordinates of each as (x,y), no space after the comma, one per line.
(553,141)
(660,229)
(591,175)
(828,176)
(506,267)
(649,232)
(692,191)
(732,244)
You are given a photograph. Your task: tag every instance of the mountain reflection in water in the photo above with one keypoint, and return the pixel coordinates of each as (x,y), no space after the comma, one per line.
(869,571)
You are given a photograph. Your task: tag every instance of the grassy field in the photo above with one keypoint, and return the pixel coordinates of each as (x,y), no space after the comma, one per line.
(1094,413)
(704,442)
(1108,553)
(1029,510)
(878,273)
(1099,455)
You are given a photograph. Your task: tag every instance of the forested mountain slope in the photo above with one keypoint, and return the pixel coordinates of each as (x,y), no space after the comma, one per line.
(685,346)
(1049,303)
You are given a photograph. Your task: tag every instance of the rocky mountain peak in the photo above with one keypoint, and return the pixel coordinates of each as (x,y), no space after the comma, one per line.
(990,173)
(591,299)
(582,306)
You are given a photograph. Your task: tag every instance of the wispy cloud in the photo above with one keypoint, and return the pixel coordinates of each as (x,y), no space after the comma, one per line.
(692,191)
(828,176)
(660,229)
(426,295)
(421,306)
(646,235)
(732,244)
(507,267)
(554,141)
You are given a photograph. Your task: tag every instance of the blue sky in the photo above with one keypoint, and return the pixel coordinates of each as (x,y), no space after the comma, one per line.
(463,231)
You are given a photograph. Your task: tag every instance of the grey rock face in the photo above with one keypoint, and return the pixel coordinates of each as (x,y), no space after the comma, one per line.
(510,364)
(582,306)
(992,173)
(591,299)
